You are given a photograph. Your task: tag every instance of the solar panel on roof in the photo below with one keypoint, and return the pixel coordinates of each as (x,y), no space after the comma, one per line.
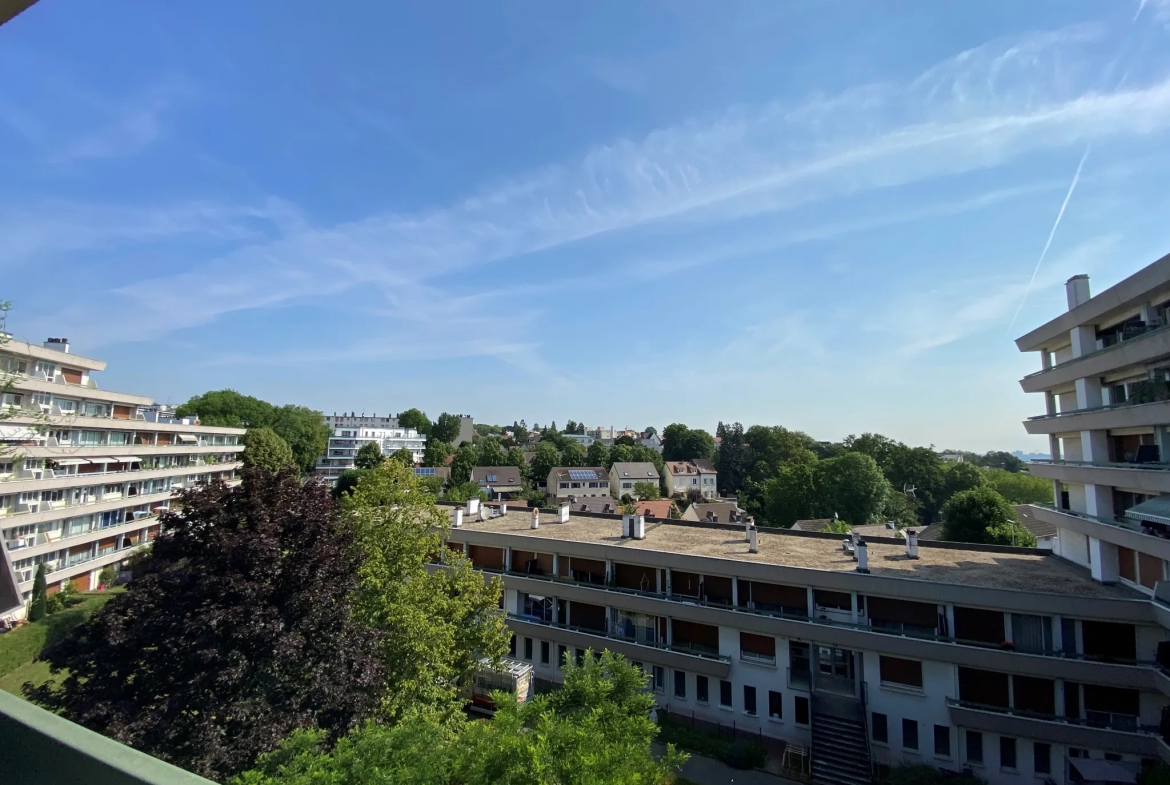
(424,471)
(491,478)
(582,474)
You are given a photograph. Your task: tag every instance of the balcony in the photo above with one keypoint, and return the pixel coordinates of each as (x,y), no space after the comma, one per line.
(1150,478)
(1100,731)
(1138,349)
(39,746)
(1127,534)
(1099,418)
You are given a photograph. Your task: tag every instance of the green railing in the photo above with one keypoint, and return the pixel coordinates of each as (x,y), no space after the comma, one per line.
(40,748)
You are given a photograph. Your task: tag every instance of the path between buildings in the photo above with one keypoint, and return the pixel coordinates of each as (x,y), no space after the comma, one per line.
(708,771)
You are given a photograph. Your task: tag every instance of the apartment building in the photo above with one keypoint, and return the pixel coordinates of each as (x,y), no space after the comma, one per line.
(623,476)
(1012,662)
(345,441)
(679,478)
(85,472)
(355,420)
(1105,377)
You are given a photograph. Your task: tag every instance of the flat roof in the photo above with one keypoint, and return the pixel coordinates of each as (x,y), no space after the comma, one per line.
(990,568)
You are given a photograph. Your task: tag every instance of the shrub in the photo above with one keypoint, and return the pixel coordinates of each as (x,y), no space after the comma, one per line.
(745,754)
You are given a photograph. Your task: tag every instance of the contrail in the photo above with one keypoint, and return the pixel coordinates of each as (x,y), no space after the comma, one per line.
(1072,187)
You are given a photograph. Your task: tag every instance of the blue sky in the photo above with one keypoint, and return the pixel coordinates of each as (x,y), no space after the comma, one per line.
(824,215)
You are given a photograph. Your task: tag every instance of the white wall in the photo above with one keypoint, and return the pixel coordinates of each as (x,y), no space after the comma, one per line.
(1073,546)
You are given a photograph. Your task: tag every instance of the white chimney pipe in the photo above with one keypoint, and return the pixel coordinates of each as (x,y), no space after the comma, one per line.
(753,541)
(862,557)
(748,530)
(855,537)
(639,527)
(627,525)
(912,544)
(473,505)
(1076,289)
(536,517)
(458,519)
(481,513)
(563,513)
(503,508)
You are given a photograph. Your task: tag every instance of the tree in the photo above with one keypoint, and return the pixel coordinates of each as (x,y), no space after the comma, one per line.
(573,454)
(596,729)
(242,621)
(464,461)
(403,456)
(998,459)
(731,458)
(898,507)
(437,624)
(1010,533)
(626,439)
(680,443)
(790,496)
(547,458)
(969,514)
(305,431)
(853,485)
(368,456)
(263,449)
(880,448)
(597,455)
(489,452)
(919,468)
(302,428)
(347,481)
(436,453)
(620,453)
(649,432)
(571,426)
(515,457)
(38,601)
(647,490)
(957,477)
(640,453)
(464,491)
(415,418)
(1020,487)
(770,447)
(446,428)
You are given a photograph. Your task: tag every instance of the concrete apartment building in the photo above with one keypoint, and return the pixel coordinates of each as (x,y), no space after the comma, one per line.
(85,472)
(1012,662)
(1104,371)
(345,441)
(681,477)
(355,420)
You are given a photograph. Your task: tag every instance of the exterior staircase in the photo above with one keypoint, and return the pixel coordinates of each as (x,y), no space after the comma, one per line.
(840,747)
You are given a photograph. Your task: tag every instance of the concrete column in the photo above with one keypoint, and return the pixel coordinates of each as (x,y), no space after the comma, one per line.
(735,592)
(853,605)
(1050,402)
(1058,686)
(1089,393)
(1162,440)
(556,565)
(1045,359)
(508,559)
(1099,501)
(1104,562)
(658,581)
(812,606)
(1007,627)
(1094,446)
(669,631)
(1083,339)
(608,571)
(466,549)
(950,619)
(1054,447)
(667,570)
(1057,635)
(1149,312)
(1057,489)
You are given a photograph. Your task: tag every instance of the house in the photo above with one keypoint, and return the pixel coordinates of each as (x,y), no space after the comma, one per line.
(442,472)
(583,439)
(582,482)
(654,508)
(623,476)
(681,477)
(714,512)
(651,440)
(1044,532)
(500,482)
(816,525)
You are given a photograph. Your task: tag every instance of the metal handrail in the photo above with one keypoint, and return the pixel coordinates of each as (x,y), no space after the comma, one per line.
(1126,727)
(1154,465)
(1102,350)
(611,636)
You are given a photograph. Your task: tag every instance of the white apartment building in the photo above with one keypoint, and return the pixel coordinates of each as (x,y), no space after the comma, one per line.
(85,472)
(1010,662)
(1105,377)
(345,442)
(355,420)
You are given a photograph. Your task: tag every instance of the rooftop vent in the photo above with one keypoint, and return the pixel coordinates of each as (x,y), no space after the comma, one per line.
(862,557)
(458,523)
(473,505)
(912,543)
(753,540)
(57,344)
(536,517)
(563,513)
(639,528)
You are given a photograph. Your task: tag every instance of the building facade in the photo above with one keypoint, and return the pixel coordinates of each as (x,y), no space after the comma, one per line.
(354,420)
(564,483)
(681,477)
(1011,662)
(1105,378)
(85,472)
(623,476)
(345,441)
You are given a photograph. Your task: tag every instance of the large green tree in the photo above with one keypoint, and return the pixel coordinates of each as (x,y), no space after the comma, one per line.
(368,456)
(573,454)
(347,481)
(547,458)
(466,459)
(959,477)
(417,419)
(1020,487)
(263,449)
(998,459)
(446,428)
(791,495)
(437,624)
(302,428)
(854,486)
(38,601)
(731,458)
(968,515)
(238,631)
(596,730)
(680,443)
(436,452)
(490,452)
(597,455)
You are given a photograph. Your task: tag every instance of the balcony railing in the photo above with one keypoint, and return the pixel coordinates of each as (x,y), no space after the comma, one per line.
(1149,331)
(1091,409)
(695,650)
(1117,523)
(1152,466)
(1100,720)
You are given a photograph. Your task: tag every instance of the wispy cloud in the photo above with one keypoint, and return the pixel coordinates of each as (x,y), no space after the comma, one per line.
(976,111)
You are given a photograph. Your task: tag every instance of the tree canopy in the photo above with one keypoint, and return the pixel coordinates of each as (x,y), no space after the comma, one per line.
(983,516)
(1019,487)
(416,419)
(263,449)
(368,456)
(598,455)
(242,620)
(573,454)
(466,459)
(547,458)
(446,428)
(647,490)
(680,443)
(436,452)
(302,428)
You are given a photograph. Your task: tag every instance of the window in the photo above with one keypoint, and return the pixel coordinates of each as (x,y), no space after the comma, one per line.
(528,649)
(512,646)
(701,689)
(942,741)
(659,678)
(895,670)
(878,729)
(545,652)
(580,656)
(680,685)
(725,694)
(974,746)
(562,653)
(749,700)
(909,734)
(1007,752)
(801,710)
(1041,758)
(775,705)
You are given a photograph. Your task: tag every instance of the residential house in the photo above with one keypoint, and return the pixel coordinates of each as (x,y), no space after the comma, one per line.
(582,482)
(442,472)
(500,482)
(679,478)
(623,476)
(715,512)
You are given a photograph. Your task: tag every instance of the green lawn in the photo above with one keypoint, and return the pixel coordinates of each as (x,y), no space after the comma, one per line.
(19,647)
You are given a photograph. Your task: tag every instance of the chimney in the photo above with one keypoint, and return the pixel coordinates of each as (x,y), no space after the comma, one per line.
(563,513)
(639,527)
(536,517)
(855,537)
(1077,290)
(627,524)
(753,541)
(503,508)
(473,505)
(748,529)
(912,543)
(862,557)
(57,344)
(458,524)
(480,513)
